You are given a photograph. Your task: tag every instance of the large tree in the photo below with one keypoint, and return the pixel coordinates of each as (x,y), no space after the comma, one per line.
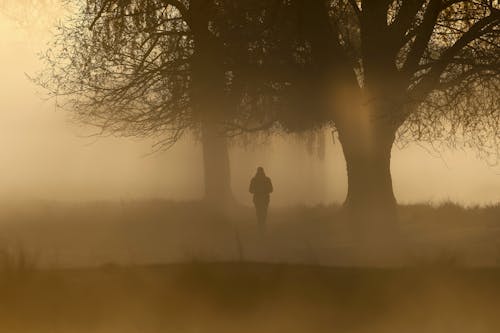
(157,67)
(403,70)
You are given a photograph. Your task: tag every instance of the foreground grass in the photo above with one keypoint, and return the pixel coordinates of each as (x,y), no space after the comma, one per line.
(444,285)
(249,297)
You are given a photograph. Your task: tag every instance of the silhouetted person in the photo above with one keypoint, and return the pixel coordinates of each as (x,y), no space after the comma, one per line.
(261,188)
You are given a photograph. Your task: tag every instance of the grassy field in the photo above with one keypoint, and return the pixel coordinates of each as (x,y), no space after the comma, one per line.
(148,232)
(160,266)
(249,297)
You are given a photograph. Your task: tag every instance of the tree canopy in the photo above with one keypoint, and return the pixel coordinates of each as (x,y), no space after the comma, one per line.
(433,64)
(134,67)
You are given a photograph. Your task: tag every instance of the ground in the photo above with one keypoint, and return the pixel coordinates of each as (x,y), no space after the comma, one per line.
(250,297)
(56,234)
(159,266)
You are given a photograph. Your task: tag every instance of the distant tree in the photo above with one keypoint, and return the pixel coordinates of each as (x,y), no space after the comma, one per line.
(158,68)
(403,70)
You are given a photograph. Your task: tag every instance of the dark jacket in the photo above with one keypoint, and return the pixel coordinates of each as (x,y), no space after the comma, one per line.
(261,186)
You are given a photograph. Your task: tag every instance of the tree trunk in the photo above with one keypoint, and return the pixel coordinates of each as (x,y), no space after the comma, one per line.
(208,98)
(216,165)
(370,204)
(370,197)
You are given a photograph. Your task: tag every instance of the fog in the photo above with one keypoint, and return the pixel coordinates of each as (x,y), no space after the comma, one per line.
(107,234)
(47,156)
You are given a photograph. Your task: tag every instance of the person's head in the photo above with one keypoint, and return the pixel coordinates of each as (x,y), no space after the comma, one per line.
(260,171)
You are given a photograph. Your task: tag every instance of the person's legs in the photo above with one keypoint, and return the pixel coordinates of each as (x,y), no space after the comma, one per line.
(261,206)
(259,214)
(262,218)
(265,205)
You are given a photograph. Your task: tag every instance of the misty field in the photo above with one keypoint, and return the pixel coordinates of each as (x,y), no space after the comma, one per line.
(56,234)
(160,266)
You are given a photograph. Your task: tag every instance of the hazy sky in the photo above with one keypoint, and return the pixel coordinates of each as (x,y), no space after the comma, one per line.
(44,156)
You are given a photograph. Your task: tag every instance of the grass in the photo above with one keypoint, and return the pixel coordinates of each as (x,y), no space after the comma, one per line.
(145,232)
(253,297)
(111,267)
